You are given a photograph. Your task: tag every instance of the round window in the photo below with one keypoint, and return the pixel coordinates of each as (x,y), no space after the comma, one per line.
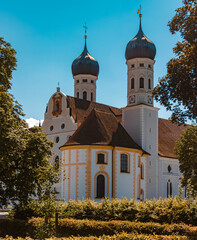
(62,126)
(57,139)
(51,128)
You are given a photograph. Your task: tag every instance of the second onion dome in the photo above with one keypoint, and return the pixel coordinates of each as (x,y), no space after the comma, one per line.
(85,64)
(140,46)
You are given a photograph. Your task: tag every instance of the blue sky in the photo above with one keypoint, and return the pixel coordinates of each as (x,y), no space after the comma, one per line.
(49,35)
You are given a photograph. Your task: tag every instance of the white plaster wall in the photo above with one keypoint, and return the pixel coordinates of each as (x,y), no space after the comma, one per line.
(173,176)
(124,180)
(141,122)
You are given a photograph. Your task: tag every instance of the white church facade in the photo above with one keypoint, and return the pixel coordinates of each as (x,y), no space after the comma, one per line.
(107,151)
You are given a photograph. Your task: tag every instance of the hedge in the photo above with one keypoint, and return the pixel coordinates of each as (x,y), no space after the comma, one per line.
(161,211)
(84,228)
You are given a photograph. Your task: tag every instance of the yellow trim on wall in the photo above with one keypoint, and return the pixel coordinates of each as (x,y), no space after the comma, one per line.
(88,174)
(146,163)
(128,154)
(69,173)
(106,157)
(114,186)
(63,169)
(77,174)
(86,146)
(134,174)
(107,175)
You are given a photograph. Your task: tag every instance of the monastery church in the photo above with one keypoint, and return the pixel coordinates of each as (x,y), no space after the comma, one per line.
(107,151)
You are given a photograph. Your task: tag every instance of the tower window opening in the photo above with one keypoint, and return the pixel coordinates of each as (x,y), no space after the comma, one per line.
(132,65)
(124,163)
(149,83)
(57,139)
(51,128)
(85,80)
(149,66)
(141,64)
(141,82)
(100,186)
(141,171)
(77,94)
(92,81)
(91,96)
(77,81)
(132,83)
(84,95)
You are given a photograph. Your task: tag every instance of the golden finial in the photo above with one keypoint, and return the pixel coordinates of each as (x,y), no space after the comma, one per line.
(85,27)
(139,12)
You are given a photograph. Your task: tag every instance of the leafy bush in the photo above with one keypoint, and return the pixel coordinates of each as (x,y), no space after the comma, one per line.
(171,210)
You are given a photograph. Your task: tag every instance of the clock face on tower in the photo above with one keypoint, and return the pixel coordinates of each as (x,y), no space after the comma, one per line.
(150,99)
(132,99)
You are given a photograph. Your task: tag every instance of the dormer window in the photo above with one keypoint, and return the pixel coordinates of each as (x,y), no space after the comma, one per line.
(141,64)
(141,82)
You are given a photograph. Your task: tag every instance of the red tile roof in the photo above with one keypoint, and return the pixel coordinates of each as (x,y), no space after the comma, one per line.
(102,128)
(168,134)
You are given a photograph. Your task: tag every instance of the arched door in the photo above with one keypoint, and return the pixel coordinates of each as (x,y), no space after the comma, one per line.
(100,186)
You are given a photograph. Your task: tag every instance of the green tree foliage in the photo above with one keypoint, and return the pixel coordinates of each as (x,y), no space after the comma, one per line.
(25,170)
(177,91)
(186,151)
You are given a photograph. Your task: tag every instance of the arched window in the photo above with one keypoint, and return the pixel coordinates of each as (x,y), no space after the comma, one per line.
(169,188)
(91,96)
(101,158)
(142,171)
(100,180)
(132,83)
(57,163)
(77,94)
(57,106)
(149,83)
(124,165)
(141,82)
(84,95)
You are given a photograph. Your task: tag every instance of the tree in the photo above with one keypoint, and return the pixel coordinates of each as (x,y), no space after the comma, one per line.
(177,91)
(186,151)
(25,169)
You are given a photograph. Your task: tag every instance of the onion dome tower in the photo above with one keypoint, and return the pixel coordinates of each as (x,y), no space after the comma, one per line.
(140,53)
(85,70)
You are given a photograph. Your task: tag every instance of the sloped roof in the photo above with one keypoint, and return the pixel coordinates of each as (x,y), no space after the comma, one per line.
(80,109)
(168,134)
(102,128)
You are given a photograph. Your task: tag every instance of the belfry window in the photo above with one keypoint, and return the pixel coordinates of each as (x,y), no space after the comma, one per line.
(149,83)
(101,158)
(91,96)
(142,171)
(84,95)
(77,94)
(132,83)
(141,64)
(85,80)
(124,165)
(100,184)
(141,82)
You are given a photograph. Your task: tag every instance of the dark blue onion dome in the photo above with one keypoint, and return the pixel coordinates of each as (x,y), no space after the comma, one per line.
(85,64)
(140,46)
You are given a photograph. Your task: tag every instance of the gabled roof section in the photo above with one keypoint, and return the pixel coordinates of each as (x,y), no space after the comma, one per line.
(168,134)
(102,128)
(80,109)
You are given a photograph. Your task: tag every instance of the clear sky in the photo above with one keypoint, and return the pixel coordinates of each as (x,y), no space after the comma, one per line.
(48,35)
